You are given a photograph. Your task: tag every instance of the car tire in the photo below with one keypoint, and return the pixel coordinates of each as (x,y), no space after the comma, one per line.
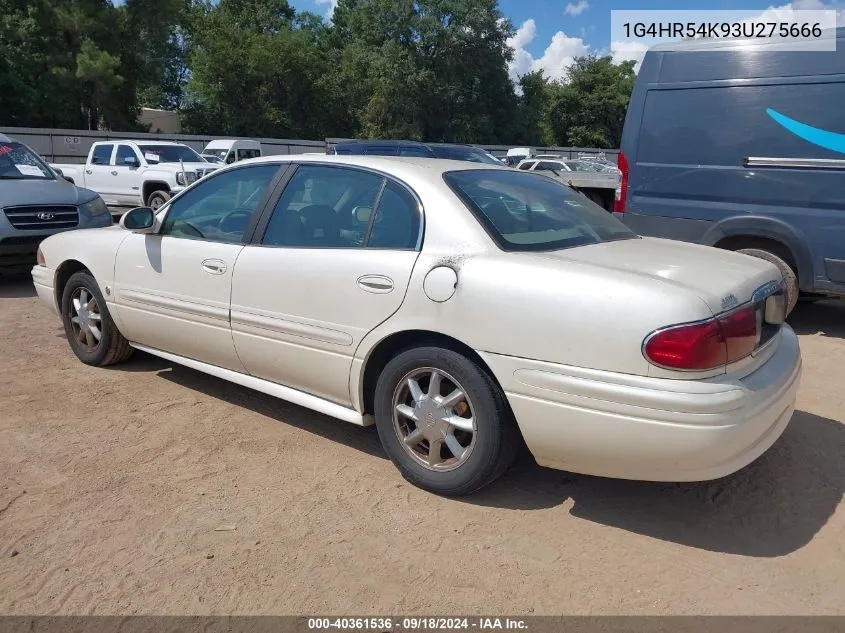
(83,309)
(157,199)
(790,279)
(467,461)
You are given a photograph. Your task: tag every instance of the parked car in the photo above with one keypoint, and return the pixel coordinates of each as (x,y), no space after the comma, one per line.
(413,148)
(35,203)
(132,173)
(462,308)
(742,149)
(598,186)
(517,154)
(232,150)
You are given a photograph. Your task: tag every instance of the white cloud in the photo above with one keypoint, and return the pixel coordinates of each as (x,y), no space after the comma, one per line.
(576,9)
(625,50)
(558,56)
(332,4)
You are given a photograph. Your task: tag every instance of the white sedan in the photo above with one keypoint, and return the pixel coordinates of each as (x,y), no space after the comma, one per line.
(462,308)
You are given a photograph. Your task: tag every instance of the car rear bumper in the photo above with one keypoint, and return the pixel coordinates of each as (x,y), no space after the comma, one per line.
(654,429)
(43,280)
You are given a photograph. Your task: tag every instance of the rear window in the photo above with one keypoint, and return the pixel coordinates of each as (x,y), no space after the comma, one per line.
(523,211)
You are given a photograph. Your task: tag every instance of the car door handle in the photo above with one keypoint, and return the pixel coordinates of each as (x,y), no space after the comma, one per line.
(114,173)
(378,284)
(214,266)
(88,171)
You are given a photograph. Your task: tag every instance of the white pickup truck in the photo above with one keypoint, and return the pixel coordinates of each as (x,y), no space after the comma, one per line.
(137,173)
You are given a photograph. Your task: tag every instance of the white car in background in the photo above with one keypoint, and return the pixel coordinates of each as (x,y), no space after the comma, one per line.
(463,308)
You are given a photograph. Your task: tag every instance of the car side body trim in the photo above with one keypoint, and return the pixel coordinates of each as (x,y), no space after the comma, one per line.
(301,398)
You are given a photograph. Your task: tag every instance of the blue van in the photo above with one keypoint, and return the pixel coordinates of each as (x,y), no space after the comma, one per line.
(732,145)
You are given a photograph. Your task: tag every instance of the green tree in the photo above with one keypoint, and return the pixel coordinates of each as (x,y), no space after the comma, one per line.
(426,69)
(588,110)
(254,71)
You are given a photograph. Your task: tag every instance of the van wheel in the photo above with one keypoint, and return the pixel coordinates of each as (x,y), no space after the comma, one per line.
(157,199)
(790,279)
(443,421)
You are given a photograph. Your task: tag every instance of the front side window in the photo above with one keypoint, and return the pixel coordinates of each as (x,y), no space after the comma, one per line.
(18,162)
(335,207)
(102,154)
(529,212)
(219,208)
(244,154)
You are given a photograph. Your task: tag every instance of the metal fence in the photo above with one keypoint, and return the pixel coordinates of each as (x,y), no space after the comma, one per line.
(72,146)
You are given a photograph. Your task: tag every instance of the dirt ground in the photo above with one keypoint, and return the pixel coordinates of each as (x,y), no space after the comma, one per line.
(151,488)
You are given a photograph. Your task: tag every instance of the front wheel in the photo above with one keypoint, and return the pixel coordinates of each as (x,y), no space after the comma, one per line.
(89,328)
(443,421)
(157,200)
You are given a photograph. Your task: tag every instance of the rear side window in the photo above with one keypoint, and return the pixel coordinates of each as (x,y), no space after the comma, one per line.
(124,152)
(102,154)
(726,125)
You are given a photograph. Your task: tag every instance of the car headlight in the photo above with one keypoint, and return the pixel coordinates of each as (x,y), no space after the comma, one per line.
(96,207)
(186,178)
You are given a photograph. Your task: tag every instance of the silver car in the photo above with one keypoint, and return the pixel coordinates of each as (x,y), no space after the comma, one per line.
(37,202)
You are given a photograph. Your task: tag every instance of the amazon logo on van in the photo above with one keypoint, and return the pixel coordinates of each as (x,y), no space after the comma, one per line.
(833,141)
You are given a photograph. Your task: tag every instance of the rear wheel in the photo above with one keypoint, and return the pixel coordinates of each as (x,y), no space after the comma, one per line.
(790,279)
(89,328)
(443,421)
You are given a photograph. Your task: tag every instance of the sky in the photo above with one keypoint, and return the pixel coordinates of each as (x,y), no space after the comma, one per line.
(551,33)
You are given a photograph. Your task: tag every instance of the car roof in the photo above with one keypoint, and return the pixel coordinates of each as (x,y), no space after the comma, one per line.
(5,138)
(388,164)
(137,142)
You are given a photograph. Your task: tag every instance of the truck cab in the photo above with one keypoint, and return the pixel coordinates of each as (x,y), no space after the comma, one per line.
(229,151)
(137,173)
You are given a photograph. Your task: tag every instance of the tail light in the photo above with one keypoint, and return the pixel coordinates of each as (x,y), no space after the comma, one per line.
(708,344)
(622,189)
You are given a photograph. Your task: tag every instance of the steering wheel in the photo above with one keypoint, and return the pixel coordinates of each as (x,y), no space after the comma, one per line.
(227,223)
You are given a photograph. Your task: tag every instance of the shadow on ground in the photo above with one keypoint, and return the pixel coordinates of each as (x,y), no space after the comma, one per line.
(771,508)
(824,317)
(17,285)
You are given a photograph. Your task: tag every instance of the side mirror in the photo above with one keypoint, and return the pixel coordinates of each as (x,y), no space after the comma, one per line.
(139,220)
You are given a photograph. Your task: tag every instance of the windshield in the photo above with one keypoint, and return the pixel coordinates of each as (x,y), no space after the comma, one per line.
(523,211)
(170,154)
(472,154)
(18,162)
(212,158)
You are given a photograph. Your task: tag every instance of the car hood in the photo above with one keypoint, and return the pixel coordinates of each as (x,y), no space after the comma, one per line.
(722,279)
(42,191)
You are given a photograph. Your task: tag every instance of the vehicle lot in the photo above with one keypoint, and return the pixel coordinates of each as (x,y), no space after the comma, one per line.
(115,484)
